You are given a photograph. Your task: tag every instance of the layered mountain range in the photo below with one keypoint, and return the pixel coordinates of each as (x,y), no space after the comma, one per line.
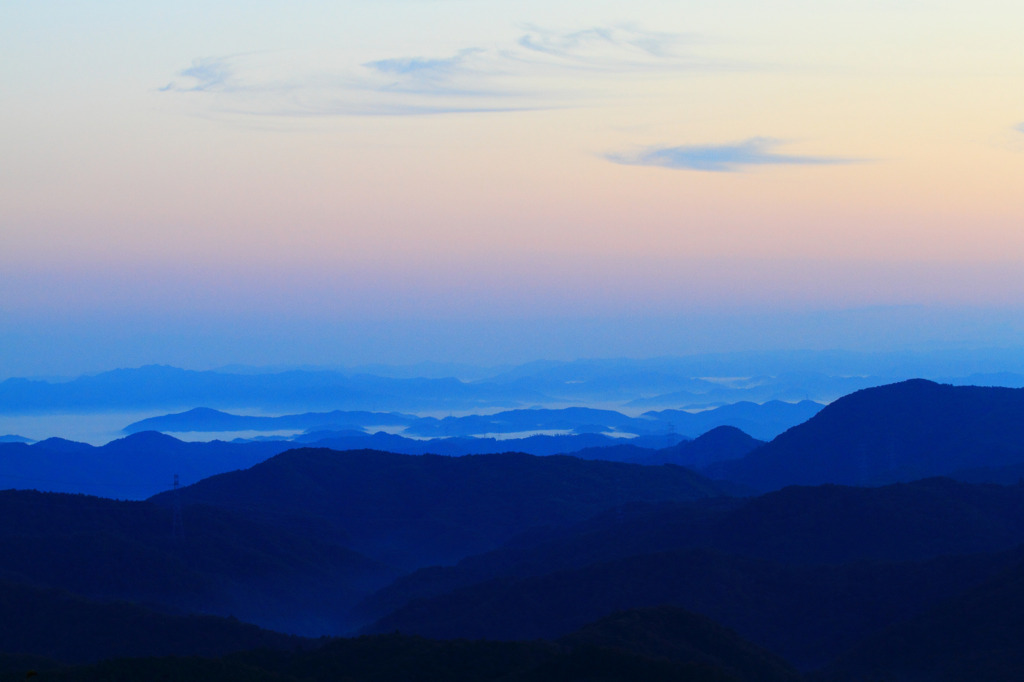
(861,544)
(699,381)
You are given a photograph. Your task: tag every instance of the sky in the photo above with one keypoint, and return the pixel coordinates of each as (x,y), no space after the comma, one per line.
(395,181)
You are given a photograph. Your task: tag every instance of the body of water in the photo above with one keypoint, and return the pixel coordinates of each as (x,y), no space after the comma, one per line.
(93,428)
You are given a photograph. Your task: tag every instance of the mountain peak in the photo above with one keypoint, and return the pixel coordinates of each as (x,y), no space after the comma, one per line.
(148,439)
(62,445)
(726,434)
(899,432)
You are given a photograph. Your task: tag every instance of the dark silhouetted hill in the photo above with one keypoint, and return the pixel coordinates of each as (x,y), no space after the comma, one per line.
(415,511)
(807,614)
(221,564)
(61,627)
(144,463)
(679,635)
(973,636)
(1011,474)
(62,446)
(623,452)
(797,525)
(899,432)
(658,645)
(720,444)
(394,658)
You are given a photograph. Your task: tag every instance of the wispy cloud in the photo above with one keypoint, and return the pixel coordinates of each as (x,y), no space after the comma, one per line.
(1020,128)
(724,158)
(619,47)
(423,67)
(469,73)
(525,75)
(208,73)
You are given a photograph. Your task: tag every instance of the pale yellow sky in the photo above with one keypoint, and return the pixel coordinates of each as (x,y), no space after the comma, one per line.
(530,157)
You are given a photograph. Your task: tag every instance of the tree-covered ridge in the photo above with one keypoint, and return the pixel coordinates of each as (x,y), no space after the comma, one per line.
(797,525)
(219,563)
(57,625)
(603,652)
(915,580)
(413,511)
(899,432)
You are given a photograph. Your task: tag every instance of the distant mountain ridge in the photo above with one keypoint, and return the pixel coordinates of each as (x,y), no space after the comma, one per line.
(157,386)
(207,419)
(12,438)
(761,421)
(542,444)
(700,381)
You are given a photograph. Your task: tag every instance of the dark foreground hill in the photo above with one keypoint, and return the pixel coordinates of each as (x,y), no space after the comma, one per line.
(219,564)
(679,635)
(59,626)
(899,432)
(807,614)
(412,511)
(797,525)
(625,648)
(974,636)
